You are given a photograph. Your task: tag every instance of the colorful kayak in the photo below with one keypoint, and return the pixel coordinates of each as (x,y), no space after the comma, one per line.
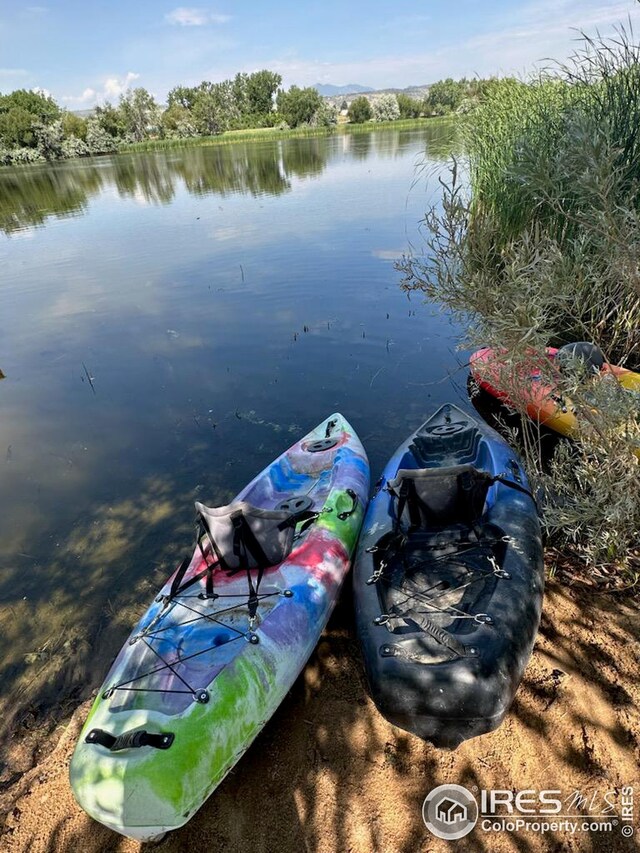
(448,580)
(539,398)
(221,645)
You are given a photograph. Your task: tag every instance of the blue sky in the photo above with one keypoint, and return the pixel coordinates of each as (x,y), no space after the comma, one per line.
(83,53)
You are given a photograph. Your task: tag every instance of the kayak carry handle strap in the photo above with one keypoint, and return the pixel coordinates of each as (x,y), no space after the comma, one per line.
(504,479)
(130,740)
(344,515)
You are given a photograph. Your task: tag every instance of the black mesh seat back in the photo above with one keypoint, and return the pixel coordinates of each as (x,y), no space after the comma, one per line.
(442,496)
(272,529)
(584,352)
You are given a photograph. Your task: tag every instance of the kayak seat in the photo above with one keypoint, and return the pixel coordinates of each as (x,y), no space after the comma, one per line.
(437,497)
(582,352)
(244,536)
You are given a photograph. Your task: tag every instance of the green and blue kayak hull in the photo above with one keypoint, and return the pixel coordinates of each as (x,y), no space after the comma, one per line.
(224,677)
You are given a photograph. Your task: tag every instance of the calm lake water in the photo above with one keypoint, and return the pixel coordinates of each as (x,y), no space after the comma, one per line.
(170,323)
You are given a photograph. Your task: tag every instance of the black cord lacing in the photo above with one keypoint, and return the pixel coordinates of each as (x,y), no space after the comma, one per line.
(246,543)
(484,543)
(148,636)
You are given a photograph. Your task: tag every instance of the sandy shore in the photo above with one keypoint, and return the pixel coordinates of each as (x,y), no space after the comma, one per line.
(329,775)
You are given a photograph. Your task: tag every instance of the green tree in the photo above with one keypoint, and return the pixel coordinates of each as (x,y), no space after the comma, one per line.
(111,120)
(73,125)
(325,116)
(183,96)
(16,128)
(41,106)
(177,121)
(20,112)
(445,96)
(360,110)
(298,106)
(49,139)
(72,146)
(99,140)
(139,112)
(409,107)
(260,90)
(240,95)
(215,107)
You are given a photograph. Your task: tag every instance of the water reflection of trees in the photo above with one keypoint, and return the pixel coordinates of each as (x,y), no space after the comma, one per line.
(306,157)
(143,175)
(30,195)
(238,168)
(443,141)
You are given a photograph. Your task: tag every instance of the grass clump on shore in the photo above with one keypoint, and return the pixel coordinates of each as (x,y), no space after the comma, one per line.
(540,245)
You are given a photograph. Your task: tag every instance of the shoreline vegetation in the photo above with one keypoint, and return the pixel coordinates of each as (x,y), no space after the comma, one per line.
(269,133)
(543,251)
(33,127)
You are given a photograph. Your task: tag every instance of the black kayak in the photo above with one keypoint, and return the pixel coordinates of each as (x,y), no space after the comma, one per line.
(448,580)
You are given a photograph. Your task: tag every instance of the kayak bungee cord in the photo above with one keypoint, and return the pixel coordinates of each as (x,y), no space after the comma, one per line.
(245,546)
(199,695)
(473,575)
(454,549)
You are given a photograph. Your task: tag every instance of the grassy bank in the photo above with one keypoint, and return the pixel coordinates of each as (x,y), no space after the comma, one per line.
(545,249)
(258,134)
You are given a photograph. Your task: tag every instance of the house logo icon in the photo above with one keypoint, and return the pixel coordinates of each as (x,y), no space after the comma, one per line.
(450,812)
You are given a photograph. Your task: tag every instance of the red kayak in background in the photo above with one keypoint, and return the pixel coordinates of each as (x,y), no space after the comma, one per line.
(532,388)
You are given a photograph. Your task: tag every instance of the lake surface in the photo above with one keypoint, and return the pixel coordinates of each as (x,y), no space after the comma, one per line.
(170,323)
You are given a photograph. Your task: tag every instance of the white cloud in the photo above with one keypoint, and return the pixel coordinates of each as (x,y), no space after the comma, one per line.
(88,97)
(111,89)
(185,16)
(196,48)
(116,86)
(541,30)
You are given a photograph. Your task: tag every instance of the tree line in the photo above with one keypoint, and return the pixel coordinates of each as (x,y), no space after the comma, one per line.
(445,97)
(33,127)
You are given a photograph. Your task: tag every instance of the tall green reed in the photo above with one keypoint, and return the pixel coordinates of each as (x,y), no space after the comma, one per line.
(542,246)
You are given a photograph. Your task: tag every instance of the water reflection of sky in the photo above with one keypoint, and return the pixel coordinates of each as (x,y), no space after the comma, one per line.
(221,300)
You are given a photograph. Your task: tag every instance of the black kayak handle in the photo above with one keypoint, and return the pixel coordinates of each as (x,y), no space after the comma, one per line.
(130,740)
(344,515)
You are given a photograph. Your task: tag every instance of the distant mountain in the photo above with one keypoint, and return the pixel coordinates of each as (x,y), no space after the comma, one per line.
(327,90)
(417,92)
